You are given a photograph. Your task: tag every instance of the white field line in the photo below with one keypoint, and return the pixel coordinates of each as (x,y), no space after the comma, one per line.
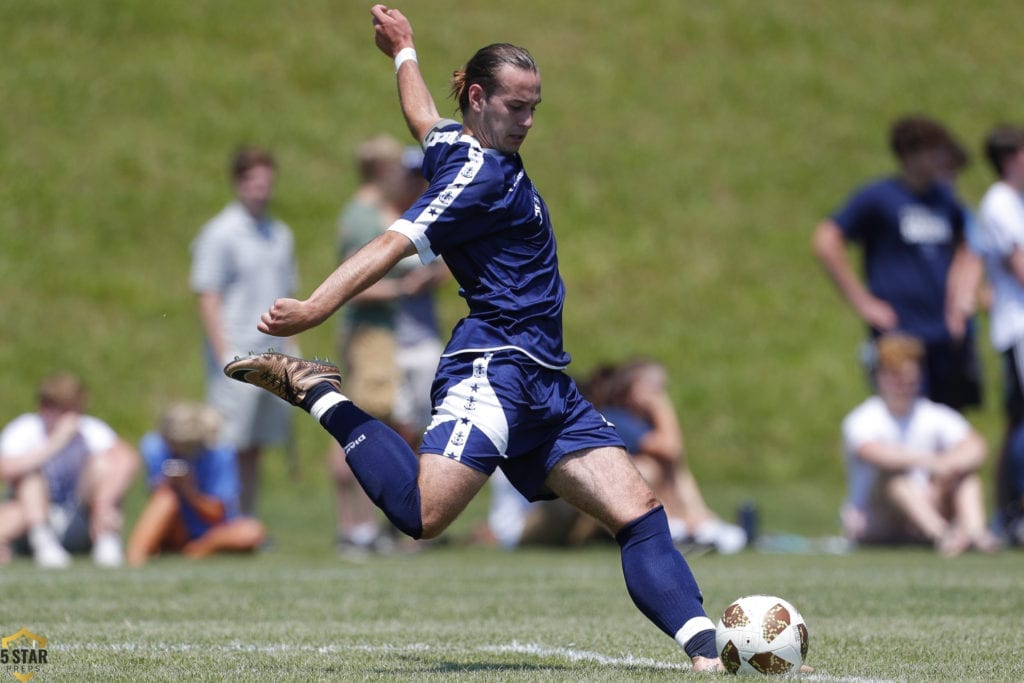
(515,647)
(581,656)
(271,648)
(629,660)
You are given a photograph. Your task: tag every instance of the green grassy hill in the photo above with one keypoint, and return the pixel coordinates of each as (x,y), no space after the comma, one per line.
(686,150)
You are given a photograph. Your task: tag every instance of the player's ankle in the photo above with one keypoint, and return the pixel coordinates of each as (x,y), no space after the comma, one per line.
(707,665)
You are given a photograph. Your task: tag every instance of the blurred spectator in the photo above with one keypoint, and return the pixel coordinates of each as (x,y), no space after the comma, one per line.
(193,503)
(912,464)
(67,473)
(967,284)
(512,521)
(634,397)
(242,261)
(389,339)
(1010,488)
(1001,217)
(911,230)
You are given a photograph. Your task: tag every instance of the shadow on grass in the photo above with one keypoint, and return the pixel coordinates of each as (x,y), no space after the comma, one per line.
(415,665)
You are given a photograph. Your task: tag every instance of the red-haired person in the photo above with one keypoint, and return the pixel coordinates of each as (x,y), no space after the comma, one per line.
(912,464)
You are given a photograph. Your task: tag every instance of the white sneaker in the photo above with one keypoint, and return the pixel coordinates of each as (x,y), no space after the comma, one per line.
(727,539)
(678,529)
(47,550)
(107,550)
(52,557)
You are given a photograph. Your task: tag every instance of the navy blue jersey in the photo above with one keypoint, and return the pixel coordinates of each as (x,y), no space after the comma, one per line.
(484,216)
(909,241)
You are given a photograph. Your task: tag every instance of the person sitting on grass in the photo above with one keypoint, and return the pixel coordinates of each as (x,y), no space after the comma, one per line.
(634,396)
(193,507)
(912,464)
(67,473)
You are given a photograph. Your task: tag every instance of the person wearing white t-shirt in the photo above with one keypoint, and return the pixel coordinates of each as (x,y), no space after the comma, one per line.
(912,464)
(67,473)
(1001,218)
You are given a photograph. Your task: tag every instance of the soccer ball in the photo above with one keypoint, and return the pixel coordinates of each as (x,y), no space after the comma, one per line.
(761,634)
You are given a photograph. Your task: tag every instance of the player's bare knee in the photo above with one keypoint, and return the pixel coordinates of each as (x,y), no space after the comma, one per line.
(433,525)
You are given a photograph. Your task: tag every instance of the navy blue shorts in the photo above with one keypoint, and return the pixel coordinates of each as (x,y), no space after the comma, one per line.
(500,409)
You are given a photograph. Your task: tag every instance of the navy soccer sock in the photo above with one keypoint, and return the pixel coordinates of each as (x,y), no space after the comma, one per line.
(381,460)
(661,584)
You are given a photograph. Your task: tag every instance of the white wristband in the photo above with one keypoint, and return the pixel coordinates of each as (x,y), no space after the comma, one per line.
(404,55)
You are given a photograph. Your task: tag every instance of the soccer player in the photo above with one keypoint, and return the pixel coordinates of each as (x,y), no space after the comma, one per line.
(501,395)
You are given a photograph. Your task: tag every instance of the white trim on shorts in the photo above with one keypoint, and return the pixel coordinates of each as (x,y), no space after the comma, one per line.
(474,403)
(507,347)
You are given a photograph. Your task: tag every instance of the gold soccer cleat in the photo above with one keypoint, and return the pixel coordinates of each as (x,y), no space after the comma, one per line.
(288,377)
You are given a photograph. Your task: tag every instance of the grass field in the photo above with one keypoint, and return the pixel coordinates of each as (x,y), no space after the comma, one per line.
(685,149)
(481,614)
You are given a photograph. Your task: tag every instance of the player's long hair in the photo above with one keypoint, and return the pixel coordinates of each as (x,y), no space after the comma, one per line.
(483,68)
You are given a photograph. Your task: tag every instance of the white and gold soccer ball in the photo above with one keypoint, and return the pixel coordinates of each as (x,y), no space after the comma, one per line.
(761,634)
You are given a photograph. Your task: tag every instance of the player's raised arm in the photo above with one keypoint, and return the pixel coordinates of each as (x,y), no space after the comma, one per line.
(394,38)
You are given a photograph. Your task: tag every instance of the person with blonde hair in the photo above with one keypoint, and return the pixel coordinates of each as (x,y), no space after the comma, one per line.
(912,464)
(193,506)
(68,473)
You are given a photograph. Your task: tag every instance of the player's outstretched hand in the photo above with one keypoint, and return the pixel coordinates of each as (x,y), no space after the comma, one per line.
(288,317)
(392,30)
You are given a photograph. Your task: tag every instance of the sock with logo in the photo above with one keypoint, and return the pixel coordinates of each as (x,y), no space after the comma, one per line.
(662,585)
(381,460)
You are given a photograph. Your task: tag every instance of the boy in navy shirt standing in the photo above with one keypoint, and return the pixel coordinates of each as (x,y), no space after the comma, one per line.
(911,229)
